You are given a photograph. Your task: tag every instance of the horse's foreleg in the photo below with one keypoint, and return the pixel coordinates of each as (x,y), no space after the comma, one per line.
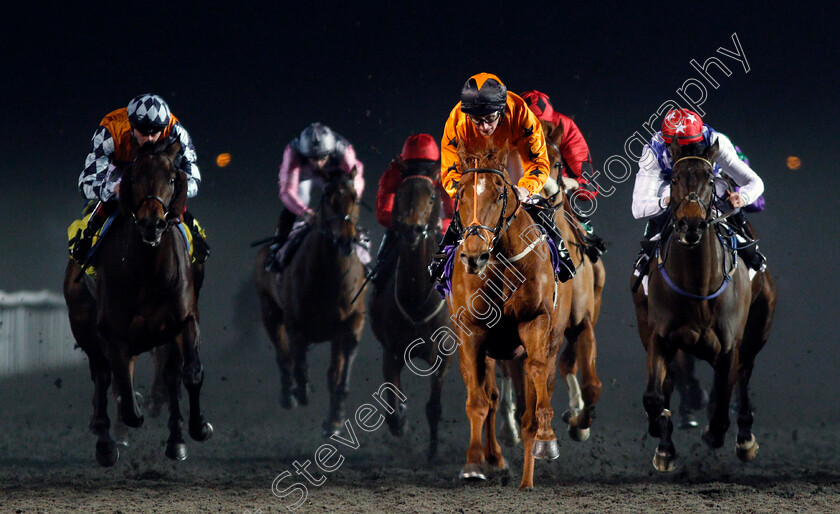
(169,360)
(539,367)
(122,366)
(433,407)
(192,373)
(509,408)
(529,426)
(272,318)
(159,393)
(725,376)
(656,405)
(338,379)
(474,374)
(300,368)
(492,450)
(107,453)
(692,395)
(590,383)
(391,369)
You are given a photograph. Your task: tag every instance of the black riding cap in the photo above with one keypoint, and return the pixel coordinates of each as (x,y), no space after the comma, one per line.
(483,94)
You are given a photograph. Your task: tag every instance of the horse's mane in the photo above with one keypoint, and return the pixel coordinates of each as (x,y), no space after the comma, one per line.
(490,157)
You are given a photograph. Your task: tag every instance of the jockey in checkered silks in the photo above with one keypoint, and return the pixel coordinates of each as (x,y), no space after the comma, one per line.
(146,120)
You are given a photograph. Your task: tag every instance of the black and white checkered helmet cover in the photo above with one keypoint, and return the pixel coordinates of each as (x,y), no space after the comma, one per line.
(148,112)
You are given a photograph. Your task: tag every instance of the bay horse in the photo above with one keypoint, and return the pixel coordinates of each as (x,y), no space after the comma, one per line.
(310,301)
(701,301)
(407,315)
(505,304)
(580,350)
(144,297)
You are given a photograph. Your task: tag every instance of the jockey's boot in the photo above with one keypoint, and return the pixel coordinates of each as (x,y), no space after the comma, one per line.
(436,267)
(285,223)
(747,249)
(594,245)
(384,260)
(81,249)
(656,226)
(201,250)
(545,220)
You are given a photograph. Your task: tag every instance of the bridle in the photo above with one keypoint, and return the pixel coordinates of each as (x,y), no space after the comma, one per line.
(342,218)
(475,227)
(170,218)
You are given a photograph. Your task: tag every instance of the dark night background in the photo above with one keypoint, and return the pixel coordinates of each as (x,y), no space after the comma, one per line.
(246,80)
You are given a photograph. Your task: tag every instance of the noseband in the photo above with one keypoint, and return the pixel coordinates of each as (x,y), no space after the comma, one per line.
(427,226)
(475,228)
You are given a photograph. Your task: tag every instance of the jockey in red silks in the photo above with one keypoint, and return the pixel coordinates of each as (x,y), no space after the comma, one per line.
(573,147)
(651,192)
(420,156)
(577,164)
(309,158)
(146,120)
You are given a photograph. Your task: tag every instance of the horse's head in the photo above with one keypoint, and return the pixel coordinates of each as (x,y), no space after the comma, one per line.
(153,192)
(416,206)
(692,190)
(338,210)
(553,188)
(487,204)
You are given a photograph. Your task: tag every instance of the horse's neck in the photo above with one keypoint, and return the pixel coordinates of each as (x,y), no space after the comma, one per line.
(698,270)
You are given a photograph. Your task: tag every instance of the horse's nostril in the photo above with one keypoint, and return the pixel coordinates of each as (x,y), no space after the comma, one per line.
(160,224)
(702,226)
(483,258)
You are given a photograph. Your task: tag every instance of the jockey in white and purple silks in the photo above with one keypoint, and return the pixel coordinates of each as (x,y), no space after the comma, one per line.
(651,193)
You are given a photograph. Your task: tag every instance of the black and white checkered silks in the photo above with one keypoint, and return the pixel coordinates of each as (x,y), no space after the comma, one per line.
(100,177)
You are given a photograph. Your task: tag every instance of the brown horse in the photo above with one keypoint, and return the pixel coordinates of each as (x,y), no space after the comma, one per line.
(407,315)
(311,300)
(587,287)
(144,297)
(505,304)
(701,301)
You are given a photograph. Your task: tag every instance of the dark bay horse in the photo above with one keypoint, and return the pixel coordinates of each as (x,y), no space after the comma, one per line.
(505,304)
(311,300)
(701,301)
(144,298)
(579,353)
(407,315)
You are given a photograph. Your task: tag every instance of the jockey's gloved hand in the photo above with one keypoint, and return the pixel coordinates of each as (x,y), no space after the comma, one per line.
(522,193)
(570,184)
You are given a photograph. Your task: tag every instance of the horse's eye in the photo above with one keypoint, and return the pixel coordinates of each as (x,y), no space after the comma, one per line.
(502,195)
(556,164)
(172,181)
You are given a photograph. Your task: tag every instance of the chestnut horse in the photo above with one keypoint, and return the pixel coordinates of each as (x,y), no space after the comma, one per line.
(505,304)
(310,301)
(144,297)
(407,315)
(701,301)
(587,287)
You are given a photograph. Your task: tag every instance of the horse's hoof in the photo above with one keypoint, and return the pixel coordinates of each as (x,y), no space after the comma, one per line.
(176,451)
(201,432)
(746,451)
(578,434)
(472,472)
(396,424)
(687,422)
(287,401)
(330,429)
(710,439)
(664,462)
(546,449)
(301,394)
(107,453)
(121,441)
(132,420)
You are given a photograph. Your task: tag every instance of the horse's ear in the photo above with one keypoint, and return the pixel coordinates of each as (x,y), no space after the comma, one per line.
(353,172)
(179,199)
(124,196)
(675,148)
(173,147)
(712,152)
